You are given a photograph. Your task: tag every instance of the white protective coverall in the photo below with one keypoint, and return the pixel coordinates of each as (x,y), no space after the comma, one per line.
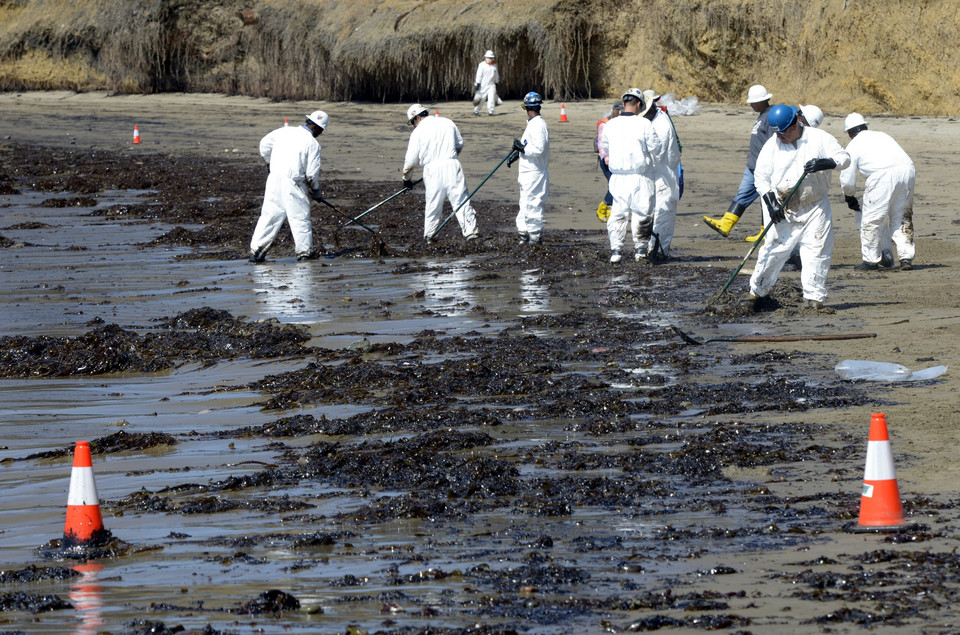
(809,223)
(631,145)
(435,144)
(488,78)
(887,205)
(534,178)
(667,181)
(294,157)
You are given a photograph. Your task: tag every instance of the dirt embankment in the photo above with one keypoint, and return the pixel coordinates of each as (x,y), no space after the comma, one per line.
(842,56)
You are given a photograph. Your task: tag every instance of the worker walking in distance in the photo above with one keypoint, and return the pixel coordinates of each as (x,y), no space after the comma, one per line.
(435,144)
(887,208)
(666,178)
(533,176)
(485,84)
(630,143)
(806,219)
(293,156)
(759,100)
(603,209)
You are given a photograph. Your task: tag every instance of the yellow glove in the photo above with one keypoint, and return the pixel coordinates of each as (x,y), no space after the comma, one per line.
(603,212)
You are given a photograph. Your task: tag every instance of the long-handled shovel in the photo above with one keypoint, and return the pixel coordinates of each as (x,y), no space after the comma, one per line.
(357,218)
(716,296)
(379,249)
(772,338)
(454,213)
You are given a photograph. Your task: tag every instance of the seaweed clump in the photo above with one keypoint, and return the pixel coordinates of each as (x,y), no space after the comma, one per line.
(202,335)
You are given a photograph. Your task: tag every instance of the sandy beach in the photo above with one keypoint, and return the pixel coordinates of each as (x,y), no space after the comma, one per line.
(915,314)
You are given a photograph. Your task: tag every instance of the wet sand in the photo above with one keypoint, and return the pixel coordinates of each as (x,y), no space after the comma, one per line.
(751,574)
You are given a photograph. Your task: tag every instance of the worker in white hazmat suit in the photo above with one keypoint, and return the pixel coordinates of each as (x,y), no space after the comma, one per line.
(533,149)
(792,152)
(293,155)
(887,208)
(810,116)
(485,84)
(666,178)
(435,144)
(630,143)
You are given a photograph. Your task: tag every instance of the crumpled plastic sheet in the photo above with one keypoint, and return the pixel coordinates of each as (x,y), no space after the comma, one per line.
(852,369)
(685,106)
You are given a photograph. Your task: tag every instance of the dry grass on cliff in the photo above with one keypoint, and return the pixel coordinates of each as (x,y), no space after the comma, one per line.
(118,45)
(896,56)
(392,50)
(386,50)
(899,56)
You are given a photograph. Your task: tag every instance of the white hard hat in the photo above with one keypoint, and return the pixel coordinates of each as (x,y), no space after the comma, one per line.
(812,114)
(489,54)
(757,93)
(636,94)
(320,118)
(416,110)
(853,120)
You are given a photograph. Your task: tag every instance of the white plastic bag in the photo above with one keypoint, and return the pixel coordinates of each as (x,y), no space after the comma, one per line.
(884,371)
(686,106)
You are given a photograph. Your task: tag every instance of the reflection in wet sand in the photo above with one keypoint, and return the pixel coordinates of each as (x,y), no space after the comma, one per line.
(293,291)
(533,294)
(446,286)
(86,596)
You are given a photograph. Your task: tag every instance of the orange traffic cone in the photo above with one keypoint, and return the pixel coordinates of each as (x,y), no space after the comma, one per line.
(84,525)
(563,113)
(286,123)
(136,135)
(880,507)
(436,113)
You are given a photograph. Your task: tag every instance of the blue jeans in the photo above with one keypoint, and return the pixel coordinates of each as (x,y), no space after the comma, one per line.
(748,192)
(608,198)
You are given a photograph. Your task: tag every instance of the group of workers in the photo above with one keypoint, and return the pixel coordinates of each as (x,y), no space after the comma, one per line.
(293,158)
(435,145)
(788,168)
(639,153)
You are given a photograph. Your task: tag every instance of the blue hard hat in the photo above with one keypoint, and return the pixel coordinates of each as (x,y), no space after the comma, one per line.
(782,117)
(532,99)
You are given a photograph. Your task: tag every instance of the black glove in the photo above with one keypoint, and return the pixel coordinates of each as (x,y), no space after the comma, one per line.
(815,165)
(476,86)
(518,146)
(407,184)
(774,208)
(852,203)
(514,156)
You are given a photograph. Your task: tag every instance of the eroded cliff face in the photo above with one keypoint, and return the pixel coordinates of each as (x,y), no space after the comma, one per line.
(896,56)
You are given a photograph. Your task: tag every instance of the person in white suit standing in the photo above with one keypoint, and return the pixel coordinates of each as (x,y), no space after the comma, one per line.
(534,178)
(630,143)
(293,155)
(485,84)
